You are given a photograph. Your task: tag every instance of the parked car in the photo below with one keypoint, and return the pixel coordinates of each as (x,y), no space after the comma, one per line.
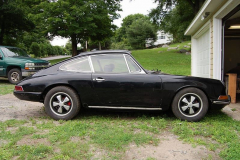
(16,64)
(113,79)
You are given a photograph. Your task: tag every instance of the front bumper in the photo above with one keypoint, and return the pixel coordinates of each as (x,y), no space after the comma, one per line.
(28,96)
(223,102)
(26,74)
(219,104)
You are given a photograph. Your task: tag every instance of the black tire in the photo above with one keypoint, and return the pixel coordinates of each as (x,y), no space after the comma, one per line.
(190,104)
(14,76)
(62,103)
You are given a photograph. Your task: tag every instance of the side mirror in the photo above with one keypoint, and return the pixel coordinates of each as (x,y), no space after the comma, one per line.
(1,57)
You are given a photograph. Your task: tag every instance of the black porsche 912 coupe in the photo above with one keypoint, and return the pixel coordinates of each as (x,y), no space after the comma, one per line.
(113,79)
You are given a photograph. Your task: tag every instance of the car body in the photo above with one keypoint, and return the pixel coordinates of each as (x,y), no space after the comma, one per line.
(15,64)
(113,79)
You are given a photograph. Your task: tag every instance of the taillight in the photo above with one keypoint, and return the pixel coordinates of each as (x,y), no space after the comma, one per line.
(18,88)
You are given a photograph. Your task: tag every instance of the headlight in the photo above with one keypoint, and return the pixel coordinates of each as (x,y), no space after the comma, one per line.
(29,66)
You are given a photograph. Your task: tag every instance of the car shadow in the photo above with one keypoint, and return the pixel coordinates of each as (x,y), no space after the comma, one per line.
(122,114)
(212,115)
(4,80)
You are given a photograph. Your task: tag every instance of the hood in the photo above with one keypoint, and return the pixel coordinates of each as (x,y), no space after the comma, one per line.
(26,59)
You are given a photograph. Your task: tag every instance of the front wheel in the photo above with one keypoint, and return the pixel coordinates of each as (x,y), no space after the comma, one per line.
(14,76)
(190,104)
(62,103)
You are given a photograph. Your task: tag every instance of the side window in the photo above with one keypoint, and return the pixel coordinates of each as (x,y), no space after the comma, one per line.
(77,65)
(109,63)
(132,65)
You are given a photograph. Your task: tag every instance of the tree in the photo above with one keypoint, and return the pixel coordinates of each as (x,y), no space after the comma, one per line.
(35,49)
(68,47)
(78,20)
(121,33)
(174,16)
(139,31)
(13,20)
(177,21)
(164,6)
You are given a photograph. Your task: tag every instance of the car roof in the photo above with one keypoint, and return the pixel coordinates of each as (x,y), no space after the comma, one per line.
(103,51)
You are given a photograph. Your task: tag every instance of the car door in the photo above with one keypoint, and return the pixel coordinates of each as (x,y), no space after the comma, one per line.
(119,81)
(2,64)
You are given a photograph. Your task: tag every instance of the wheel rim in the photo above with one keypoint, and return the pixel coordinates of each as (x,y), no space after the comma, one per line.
(61,104)
(15,76)
(190,104)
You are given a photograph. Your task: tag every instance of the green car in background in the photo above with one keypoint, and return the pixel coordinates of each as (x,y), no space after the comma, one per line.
(16,64)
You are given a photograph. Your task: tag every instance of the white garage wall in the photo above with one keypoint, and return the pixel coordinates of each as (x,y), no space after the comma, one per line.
(201,52)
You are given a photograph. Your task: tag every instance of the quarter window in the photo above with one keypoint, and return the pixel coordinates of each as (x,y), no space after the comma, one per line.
(78,65)
(109,63)
(132,65)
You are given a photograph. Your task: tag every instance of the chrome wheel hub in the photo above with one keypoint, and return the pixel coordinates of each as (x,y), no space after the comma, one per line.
(61,103)
(15,76)
(190,104)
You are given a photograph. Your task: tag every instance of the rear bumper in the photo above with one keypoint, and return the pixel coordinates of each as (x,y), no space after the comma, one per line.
(28,96)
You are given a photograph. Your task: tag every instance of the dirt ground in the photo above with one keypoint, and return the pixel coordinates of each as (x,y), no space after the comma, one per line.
(169,147)
(13,108)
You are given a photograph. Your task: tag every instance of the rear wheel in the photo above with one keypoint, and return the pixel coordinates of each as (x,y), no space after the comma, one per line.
(62,103)
(14,76)
(190,104)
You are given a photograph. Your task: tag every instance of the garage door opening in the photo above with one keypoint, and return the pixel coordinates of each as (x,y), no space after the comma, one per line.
(231,46)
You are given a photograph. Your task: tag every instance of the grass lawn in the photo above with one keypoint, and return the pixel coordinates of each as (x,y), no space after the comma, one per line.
(57,60)
(167,61)
(5,86)
(111,133)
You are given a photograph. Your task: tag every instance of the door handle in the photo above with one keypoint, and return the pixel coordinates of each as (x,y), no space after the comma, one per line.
(99,79)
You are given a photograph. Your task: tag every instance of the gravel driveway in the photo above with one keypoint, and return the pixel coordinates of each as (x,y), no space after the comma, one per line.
(13,108)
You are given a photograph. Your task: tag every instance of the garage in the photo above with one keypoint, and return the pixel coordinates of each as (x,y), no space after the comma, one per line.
(231,25)
(203,55)
(215,38)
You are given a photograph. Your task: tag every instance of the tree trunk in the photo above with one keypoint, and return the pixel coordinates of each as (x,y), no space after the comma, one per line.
(2,32)
(74,45)
(198,5)
(99,44)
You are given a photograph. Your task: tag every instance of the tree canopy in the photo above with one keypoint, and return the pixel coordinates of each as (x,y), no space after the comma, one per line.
(174,16)
(78,20)
(135,30)
(13,20)
(139,31)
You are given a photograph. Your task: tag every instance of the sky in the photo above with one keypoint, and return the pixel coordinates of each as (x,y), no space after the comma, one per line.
(128,7)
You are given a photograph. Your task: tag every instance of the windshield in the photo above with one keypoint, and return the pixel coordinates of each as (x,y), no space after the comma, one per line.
(10,52)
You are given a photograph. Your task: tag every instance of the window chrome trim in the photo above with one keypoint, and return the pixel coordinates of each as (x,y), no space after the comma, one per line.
(126,63)
(75,70)
(91,65)
(108,54)
(141,69)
